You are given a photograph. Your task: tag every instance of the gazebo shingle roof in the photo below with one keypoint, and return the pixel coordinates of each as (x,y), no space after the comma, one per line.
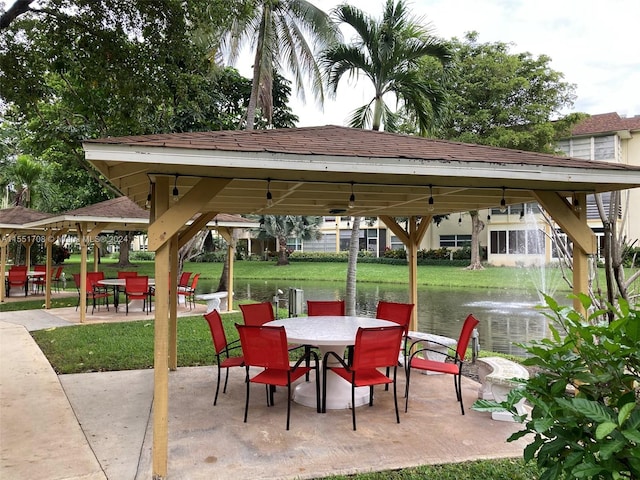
(341,141)
(19,215)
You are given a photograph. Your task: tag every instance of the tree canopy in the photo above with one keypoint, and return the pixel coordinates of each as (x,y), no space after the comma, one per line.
(71,70)
(503,99)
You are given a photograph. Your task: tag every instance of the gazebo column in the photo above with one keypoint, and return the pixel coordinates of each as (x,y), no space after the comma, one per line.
(5,238)
(166,222)
(411,240)
(51,235)
(85,234)
(28,243)
(574,224)
(173,303)
(232,241)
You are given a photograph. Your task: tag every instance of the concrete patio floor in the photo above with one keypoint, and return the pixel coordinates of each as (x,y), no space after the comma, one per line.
(98,425)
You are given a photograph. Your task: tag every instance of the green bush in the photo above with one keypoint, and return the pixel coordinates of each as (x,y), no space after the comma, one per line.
(142,255)
(585,420)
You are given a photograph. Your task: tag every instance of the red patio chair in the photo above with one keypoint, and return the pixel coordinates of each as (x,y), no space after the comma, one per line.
(325,307)
(399,313)
(17,277)
(56,277)
(93,293)
(40,281)
(190,292)
(374,348)
(452,365)
(266,347)
(222,347)
(137,288)
(257,313)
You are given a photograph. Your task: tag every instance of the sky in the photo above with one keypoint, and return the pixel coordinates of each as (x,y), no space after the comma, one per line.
(593,43)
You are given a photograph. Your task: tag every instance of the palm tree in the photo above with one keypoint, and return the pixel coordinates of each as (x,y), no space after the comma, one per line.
(25,173)
(276,30)
(388,52)
(283,227)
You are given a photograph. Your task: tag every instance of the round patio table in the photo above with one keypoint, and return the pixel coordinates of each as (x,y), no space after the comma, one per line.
(118,284)
(330,334)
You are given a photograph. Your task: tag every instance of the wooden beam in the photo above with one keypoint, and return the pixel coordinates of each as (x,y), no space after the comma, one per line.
(5,238)
(565,216)
(160,446)
(227,234)
(171,221)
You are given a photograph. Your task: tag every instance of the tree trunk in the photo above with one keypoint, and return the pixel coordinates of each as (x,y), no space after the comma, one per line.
(477,226)
(354,247)
(257,73)
(283,258)
(125,246)
(223,284)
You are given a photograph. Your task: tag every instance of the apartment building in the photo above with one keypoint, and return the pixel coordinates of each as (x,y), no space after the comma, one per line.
(517,234)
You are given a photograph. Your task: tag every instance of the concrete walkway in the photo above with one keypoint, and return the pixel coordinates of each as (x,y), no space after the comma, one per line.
(97,425)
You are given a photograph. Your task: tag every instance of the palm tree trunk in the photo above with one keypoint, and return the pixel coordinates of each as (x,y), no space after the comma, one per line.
(354,247)
(257,71)
(377,113)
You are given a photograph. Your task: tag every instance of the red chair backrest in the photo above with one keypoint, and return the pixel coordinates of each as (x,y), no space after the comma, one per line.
(138,285)
(18,267)
(399,313)
(377,347)
(93,278)
(465,335)
(17,275)
(325,307)
(218,335)
(264,346)
(40,268)
(183,281)
(56,276)
(194,282)
(127,274)
(257,313)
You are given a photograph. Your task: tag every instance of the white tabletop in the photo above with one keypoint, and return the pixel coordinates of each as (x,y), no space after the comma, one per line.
(326,330)
(120,282)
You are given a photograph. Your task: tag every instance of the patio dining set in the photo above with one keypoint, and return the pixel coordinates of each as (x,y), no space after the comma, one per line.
(341,357)
(135,288)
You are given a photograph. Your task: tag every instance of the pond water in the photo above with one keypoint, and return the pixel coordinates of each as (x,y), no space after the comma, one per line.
(506,317)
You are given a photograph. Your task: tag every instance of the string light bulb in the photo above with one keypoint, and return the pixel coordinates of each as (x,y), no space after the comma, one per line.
(352,198)
(175,192)
(503,203)
(460,220)
(576,204)
(431,207)
(147,205)
(522,213)
(269,195)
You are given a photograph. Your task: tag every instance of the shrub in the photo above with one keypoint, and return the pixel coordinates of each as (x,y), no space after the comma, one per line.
(585,420)
(59,254)
(142,255)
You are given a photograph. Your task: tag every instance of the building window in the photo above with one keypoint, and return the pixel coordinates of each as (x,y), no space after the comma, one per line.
(517,242)
(453,241)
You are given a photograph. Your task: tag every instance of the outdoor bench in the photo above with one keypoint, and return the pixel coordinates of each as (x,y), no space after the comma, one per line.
(215,301)
(497,376)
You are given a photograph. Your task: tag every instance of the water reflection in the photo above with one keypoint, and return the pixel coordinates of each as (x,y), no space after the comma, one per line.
(506,317)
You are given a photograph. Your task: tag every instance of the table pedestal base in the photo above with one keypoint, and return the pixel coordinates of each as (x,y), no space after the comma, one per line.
(338,393)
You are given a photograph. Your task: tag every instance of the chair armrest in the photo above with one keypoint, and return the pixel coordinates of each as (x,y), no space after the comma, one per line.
(452,357)
(308,355)
(336,356)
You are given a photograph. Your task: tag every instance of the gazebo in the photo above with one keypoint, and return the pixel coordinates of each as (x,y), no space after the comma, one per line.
(12,222)
(331,170)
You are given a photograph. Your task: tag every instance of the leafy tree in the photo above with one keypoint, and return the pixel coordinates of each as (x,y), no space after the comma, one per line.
(276,30)
(503,99)
(387,52)
(283,227)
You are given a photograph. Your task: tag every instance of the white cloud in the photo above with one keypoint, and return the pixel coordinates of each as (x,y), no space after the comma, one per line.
(593,43)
